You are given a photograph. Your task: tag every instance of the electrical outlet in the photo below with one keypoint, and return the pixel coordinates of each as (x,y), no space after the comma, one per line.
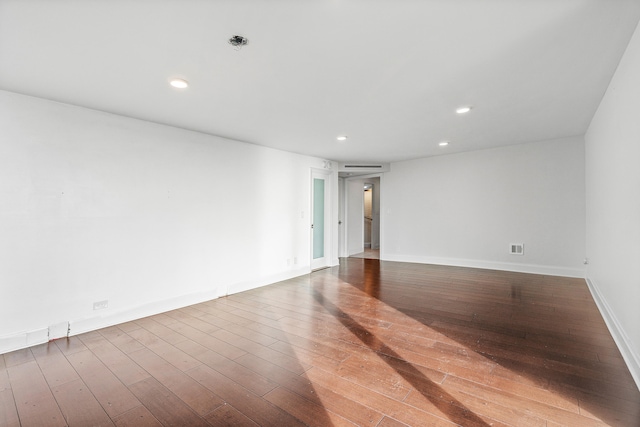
(295,260)
(100,305)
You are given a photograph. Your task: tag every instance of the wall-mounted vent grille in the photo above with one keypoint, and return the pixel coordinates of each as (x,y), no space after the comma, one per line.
(363,166)
(516,249)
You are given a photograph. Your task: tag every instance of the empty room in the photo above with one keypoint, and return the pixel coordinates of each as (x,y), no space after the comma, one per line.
(319,213)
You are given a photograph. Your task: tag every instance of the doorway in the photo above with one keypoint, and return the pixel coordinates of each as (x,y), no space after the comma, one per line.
(362,205)
(368,214)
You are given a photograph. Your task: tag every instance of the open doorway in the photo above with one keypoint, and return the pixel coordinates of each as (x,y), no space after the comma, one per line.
(363,217)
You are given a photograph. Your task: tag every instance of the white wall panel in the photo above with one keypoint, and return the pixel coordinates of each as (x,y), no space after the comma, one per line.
(613,206)
(99,207)
(465,209)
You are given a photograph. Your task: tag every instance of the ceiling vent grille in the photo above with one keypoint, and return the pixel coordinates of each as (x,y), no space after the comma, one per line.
(364,167)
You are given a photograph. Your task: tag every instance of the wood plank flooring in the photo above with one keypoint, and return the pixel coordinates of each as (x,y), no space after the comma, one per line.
(368,253)
(369,343)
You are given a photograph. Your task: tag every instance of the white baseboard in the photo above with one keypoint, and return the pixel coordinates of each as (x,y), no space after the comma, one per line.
(24,339)
(92,323)
(551,270)
(252,284)
(617,332)
(105,319)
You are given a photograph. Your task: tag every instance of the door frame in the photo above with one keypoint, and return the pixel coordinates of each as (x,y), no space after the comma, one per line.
(347,223)
(325,261)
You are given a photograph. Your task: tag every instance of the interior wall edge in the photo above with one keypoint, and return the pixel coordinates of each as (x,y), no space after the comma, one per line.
(551,270)
(618,333)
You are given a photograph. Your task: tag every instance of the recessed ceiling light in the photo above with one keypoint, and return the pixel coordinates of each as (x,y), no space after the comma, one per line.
(443,143)
(238,41)
(179,83)
(463,110)
(342,138)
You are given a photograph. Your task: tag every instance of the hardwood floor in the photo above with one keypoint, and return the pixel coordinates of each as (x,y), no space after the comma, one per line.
(369,343)
(368,253)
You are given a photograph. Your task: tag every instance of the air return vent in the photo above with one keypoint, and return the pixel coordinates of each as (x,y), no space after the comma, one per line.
(516,248)
(364,167)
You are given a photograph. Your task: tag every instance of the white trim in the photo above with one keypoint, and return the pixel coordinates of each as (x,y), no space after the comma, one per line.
(30,338)
(617,332)
(551,270)
(381,219)
(23,340)
(274,278)
(370,175)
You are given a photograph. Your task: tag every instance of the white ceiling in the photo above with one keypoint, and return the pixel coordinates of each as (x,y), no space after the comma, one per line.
(387,73)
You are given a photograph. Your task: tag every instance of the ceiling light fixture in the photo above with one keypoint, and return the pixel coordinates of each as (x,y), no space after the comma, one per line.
(179,83)
(463,110)
(238,42)
(342,138)
(443,143)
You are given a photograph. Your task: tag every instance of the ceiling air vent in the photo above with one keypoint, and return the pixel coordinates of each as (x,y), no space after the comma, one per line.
(516,248)
(364,167)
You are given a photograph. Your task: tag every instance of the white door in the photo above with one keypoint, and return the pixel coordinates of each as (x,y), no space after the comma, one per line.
(355,216)
(342,238)
(320,226)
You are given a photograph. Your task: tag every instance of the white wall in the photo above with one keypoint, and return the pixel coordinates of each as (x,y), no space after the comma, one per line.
(98,207)
(613,206)
(465,209)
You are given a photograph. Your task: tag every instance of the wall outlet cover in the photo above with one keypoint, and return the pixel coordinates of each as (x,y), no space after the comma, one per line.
(100,305)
